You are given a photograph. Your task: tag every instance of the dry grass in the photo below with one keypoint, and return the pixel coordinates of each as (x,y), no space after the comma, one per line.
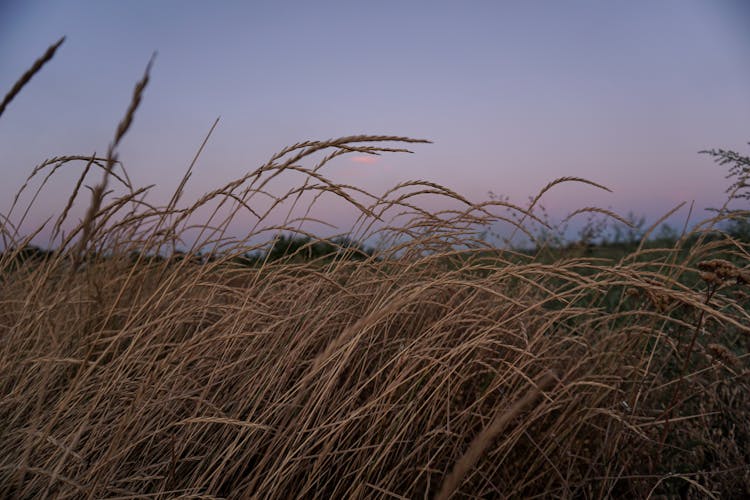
(438,364)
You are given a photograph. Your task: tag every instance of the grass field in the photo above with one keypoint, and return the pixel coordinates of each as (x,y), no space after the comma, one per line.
(435,365)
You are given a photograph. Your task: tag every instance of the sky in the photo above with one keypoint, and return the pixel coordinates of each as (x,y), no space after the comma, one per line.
(513,94)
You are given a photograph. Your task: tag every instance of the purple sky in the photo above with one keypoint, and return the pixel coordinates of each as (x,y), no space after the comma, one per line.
(513,94)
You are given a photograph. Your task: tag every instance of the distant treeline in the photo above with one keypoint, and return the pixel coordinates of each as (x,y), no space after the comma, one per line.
(296,248)
(290,247)
(305,248)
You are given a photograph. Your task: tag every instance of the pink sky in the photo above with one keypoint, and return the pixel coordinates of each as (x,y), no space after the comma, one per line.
(512,95)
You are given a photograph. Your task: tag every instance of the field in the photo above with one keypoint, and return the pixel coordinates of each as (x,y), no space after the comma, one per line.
(435,364)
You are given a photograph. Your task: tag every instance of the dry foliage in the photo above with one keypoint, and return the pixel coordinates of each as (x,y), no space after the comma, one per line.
(437,366)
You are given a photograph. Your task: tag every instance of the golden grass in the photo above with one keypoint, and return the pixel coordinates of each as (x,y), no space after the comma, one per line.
(422,371)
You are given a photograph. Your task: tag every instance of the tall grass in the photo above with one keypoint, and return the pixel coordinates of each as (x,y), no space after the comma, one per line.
(436,366)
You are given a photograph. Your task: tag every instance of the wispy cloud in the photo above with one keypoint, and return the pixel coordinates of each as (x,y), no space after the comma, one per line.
(365,159)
